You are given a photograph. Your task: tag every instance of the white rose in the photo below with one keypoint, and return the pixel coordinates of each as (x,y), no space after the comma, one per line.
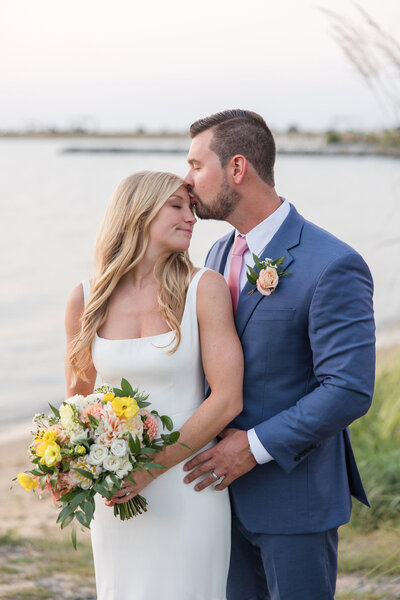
(97,454)
(66,415)
(125,467)
(77,434)
(108,482)
(93,398)
(119,447)
(112,463)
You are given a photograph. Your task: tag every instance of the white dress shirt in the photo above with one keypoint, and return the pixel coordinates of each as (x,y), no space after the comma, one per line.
(257,239)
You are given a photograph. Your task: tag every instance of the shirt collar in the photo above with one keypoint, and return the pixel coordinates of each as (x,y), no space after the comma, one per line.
(258,237)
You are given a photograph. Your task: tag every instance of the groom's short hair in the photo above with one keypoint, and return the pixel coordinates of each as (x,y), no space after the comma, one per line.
(241,132)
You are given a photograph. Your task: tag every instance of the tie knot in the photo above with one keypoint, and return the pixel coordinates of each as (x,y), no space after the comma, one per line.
(240,246)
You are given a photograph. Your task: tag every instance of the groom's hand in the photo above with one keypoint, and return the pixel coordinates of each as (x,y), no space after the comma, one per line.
(230,459)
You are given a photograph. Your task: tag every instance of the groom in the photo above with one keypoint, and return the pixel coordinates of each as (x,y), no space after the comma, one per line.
(309,369)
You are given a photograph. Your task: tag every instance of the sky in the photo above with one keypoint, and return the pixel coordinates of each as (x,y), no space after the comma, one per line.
(154,64)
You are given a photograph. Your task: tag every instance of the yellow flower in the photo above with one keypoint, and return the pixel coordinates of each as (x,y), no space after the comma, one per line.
(41,449)
(109,397)
(52,455)
(125,407)
(27,482)
(81,449)
(50,436)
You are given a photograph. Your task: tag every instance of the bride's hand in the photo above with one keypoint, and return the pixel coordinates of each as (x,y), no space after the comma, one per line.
(129,489)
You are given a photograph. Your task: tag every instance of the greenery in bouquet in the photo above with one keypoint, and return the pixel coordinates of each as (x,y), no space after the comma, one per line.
(90,445)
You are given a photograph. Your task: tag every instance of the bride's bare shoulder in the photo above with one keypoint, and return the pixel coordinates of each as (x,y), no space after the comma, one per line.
(75,303)
(213,287)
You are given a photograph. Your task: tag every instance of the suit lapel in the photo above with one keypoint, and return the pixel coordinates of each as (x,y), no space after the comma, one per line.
(224,252)
(287,237)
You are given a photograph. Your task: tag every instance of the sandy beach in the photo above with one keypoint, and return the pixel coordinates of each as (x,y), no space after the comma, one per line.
(22,512)
(24,515)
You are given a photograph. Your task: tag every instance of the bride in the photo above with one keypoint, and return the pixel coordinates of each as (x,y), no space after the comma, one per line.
(148,315)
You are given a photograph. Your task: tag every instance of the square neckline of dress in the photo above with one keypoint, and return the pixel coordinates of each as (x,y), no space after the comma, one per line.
(149,337)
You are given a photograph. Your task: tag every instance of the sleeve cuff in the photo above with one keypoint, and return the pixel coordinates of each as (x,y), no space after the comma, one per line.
(261,455)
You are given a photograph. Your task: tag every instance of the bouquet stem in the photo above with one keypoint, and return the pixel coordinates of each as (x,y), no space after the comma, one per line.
(133,507)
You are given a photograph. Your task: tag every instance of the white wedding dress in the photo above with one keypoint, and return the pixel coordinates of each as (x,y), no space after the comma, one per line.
(179,549)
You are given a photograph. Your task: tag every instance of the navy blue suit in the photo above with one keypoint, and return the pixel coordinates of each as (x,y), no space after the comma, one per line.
(309,372)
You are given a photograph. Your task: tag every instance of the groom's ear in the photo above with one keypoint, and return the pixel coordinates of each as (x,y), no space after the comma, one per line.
(237,168)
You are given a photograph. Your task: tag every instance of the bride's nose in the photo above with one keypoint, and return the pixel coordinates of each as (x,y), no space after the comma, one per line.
(189,216)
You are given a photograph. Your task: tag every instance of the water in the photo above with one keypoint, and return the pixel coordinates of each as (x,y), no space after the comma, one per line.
(51,206)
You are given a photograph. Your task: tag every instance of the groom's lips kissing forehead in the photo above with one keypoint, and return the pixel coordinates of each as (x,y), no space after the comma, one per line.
(193,197)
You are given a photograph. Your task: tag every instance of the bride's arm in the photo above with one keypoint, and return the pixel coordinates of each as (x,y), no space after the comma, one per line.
(223,366)
(73,315)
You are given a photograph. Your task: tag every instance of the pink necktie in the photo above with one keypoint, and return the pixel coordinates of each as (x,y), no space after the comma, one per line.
(239,248)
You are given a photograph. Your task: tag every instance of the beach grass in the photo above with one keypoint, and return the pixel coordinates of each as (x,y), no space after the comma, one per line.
(376,443)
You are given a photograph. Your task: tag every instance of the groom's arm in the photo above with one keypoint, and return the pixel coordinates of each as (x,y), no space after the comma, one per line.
(342,340)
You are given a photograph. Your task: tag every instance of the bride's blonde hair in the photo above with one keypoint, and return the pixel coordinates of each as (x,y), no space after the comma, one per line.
(121,243)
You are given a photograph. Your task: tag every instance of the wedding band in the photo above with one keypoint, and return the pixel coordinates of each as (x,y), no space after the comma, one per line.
(214,475)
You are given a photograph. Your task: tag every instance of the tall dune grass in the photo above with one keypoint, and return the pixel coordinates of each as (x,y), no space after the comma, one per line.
(376,442)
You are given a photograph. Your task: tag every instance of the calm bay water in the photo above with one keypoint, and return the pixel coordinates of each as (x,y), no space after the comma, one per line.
(52,204)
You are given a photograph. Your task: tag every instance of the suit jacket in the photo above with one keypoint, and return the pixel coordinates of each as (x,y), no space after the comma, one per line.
(309,352)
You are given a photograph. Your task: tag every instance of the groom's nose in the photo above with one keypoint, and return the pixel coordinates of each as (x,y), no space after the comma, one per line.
(189,179)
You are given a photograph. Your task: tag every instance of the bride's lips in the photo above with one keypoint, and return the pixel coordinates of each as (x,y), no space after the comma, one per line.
(185,230)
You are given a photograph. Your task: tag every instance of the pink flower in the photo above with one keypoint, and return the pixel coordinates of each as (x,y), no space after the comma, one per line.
(93,409)
(64,485)
(150,424)
(267,281)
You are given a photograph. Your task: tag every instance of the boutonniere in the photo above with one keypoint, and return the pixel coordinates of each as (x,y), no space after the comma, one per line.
(268,277)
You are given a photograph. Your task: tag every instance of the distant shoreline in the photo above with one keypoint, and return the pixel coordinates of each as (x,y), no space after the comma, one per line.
(298,144)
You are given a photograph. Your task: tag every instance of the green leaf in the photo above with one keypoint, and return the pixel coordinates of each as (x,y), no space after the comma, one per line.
(278,261)
(93,421)
(88,508)
(43,481)
(78,499)
(64,466)
(167,422)
(85,473)
(171,438)
(185,446)
(147,451)
(129,478)
(55,410)
(142,403)
(53,481)
(251,279)
(67,510)
(36,472)
(69,495)
(134,444)
(257,261)
(67,520)
(253,273)
(103,491)
(118,392)
(152,465)
(117,482)
(127,388)
(73,536)
(80,515)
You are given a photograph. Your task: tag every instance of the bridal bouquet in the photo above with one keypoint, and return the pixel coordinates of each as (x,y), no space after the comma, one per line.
(90,445)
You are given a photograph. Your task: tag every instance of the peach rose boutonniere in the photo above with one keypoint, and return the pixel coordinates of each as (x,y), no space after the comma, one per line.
(270,272)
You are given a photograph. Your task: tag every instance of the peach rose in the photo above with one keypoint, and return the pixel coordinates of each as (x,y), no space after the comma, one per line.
(267,281)
(93,409)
